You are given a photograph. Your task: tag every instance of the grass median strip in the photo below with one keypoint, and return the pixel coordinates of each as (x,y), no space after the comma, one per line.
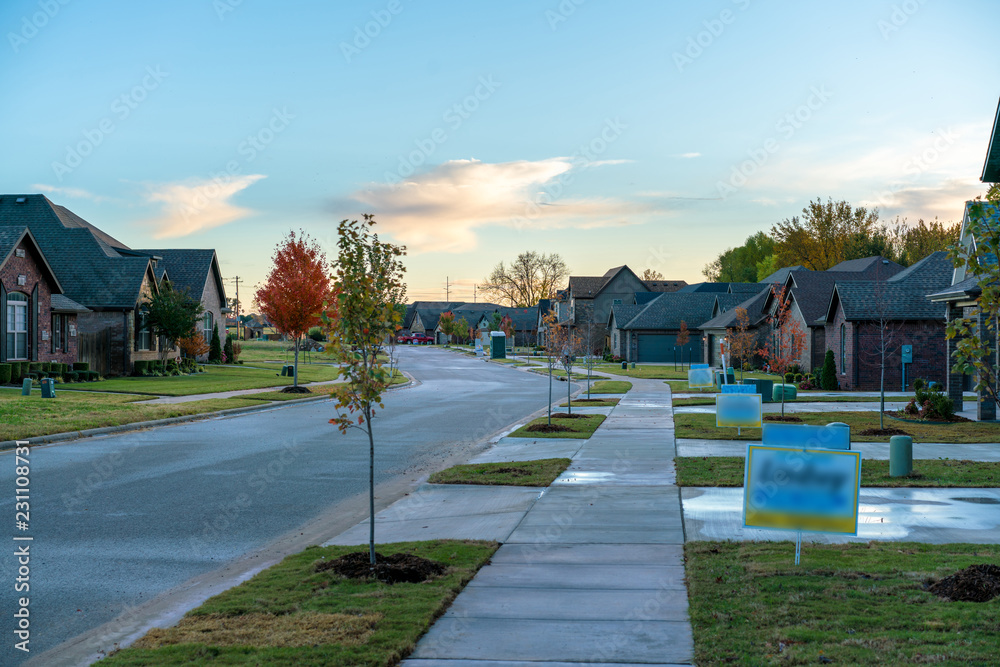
(728,471)
(702,426)
(579,426)
(32,416)
(845,604)
(513,473)
(611,387)
(296,614)
(592,402)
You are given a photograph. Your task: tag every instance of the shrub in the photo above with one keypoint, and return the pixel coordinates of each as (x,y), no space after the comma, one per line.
(45,366)
(81,366)
(215,348)
(237,350)
(5,373)
(227,350)
(316,333)
(34,366)
(829,378)
(919,384)
(805,384)
(933,403)
(17,371)
(70,376)
(140,368)
(789,377)
(798,377)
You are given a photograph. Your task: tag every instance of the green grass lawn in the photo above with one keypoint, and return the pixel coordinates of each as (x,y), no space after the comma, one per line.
(710,400)
(611,387)
(292,615)
(560,373)
(582,428)
(317,390)
(516,473)
(255,351)
(681,387)
(31,416)
(703,426)
(663,372)
(728,471)
(861,604)
(214,379)
(583,402)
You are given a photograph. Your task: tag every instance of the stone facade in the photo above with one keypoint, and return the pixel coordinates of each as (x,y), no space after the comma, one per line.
(38,290)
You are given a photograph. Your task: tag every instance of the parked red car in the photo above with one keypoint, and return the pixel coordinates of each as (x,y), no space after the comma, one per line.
(416,339)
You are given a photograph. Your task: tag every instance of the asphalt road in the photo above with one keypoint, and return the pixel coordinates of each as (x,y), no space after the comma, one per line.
(117,521)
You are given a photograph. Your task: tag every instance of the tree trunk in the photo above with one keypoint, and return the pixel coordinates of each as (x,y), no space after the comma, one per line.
(371,488)
(881,410)
(550,394)
(295,371)
(569,392)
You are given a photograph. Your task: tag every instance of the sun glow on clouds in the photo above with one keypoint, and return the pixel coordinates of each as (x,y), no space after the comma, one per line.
(441,208)
(197,205)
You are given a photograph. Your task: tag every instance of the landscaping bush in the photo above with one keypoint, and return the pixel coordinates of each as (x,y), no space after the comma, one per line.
(42,375)
(32,375)
(34,366)
(789,378)
(215,348)
(17,371)
(930,403)
(806,385)
(81,366)
(227,350)
(798,377)
(70,376)
(5,373)
(45,366)
(829,378)
(316,333)
(140,368)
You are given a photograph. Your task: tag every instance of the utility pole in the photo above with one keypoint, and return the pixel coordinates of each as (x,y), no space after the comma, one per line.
(473,294)
(237,280)
(447,290)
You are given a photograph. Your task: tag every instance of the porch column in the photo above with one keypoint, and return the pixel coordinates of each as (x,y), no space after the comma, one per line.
(955,381)
(986,406)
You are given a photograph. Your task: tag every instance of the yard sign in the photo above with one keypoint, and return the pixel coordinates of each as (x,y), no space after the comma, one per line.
(699,378)
(738,410)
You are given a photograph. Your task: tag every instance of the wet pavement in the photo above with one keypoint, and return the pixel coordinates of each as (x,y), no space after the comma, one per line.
(989,451)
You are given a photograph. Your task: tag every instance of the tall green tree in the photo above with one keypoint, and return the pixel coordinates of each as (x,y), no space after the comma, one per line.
(172,314)
(821,236)
(368,283)
(739,265)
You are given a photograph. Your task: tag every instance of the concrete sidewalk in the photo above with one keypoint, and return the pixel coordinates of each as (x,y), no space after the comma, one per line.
(986,451)
(591,569)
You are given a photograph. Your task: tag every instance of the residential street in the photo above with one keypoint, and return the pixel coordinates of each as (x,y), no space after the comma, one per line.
(117,521)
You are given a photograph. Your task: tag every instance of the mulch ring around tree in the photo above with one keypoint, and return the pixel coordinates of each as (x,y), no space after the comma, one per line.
(392,569)
(779,418)
(296,390)
(976,583)
(899,415)
(548,428)
(883,431)
(566,415)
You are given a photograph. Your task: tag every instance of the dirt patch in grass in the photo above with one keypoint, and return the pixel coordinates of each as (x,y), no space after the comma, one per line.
(540,472)
(265,630)
(590,400)
(883,431)
(903,417)
(566,415)
(548,428)
(296,390)
(779,418)
(392,569)
(976,583)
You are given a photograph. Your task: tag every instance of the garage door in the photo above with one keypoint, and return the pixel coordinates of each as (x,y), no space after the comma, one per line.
(655,347)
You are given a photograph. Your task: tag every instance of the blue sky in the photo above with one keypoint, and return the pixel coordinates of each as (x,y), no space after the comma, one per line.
(653,134)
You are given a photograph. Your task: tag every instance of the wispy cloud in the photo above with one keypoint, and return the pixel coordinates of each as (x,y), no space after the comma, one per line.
(688,156)
(441,209)
(75,193)
(197,205)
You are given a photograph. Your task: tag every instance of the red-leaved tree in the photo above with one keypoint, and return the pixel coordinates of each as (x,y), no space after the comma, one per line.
(787,339)
(295,290)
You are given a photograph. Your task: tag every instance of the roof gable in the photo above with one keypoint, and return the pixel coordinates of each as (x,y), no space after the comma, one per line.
(991,168)
(188,269)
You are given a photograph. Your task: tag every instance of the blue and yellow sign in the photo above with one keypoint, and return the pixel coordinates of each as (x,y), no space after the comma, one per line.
(700,377)
(801,489)
(738,410)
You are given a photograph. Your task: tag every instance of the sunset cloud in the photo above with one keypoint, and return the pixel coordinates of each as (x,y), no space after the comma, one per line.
(197,205)
(441,209)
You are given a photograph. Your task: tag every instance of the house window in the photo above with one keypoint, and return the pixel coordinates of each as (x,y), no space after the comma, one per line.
(616,302)
(60,331)
(17,326)
(843,349)
(207,326)
(143,336)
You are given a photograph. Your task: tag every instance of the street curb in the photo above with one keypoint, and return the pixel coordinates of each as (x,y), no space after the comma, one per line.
(139,426)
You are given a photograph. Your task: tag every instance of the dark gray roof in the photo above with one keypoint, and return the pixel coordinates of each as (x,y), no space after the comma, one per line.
(586,286)
(991,168)
(642,298)
(187,269)
(664,285)
(10,237)
(63,304)
(85,260)
(524,319)
(968,288)
(755,313)
(670,309)
(902,297)
(862,265)
(430,311)
(623,312)
(781,275)
(812,290)
(704,287)
(746,288)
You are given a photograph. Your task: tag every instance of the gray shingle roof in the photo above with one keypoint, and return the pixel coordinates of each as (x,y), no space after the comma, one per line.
(781,275)
(642,298)
(670,309)
(812,290)
(664,285)
(746,288)
(187,269)
(862,265)
(524,319)
(10,236)
(704,287)
(966,288)
(63,304)
(902,297)
(624,312)
(84,259)
(755,313)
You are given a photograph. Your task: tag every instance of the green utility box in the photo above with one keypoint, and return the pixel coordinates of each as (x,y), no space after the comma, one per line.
(764,387)
(288,370)
(789,390)
(498,345)
(48,388)
(26,387)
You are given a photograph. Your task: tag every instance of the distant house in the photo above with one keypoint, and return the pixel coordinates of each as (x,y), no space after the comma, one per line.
(37,321)
(961,300)
(724,318)
(648,333)
(590,298)
(854,323)
(525,323)
(809,293)
(423,317)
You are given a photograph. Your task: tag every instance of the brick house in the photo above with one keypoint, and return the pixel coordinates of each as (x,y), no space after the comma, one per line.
(648,333)
(37,321)
(589,298)
(724,318)
(854,325)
